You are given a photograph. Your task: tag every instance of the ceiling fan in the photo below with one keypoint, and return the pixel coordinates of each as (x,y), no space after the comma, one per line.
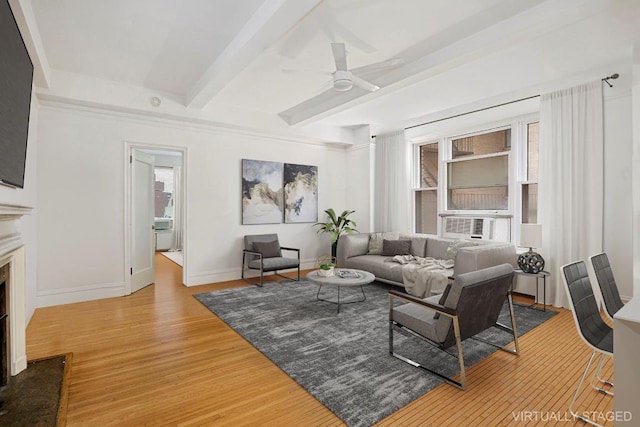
(344,78)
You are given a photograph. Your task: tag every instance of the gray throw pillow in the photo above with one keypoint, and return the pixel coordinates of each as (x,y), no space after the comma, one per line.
(268,249)
(396,247)
(375,241)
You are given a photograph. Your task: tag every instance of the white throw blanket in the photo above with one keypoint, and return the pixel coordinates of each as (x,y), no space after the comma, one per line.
(424,277)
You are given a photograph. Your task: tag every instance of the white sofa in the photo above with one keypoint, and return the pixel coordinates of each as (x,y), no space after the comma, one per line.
(353,252)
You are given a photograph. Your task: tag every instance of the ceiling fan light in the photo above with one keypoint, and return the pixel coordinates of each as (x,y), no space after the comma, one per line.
(342,80)
(342,85)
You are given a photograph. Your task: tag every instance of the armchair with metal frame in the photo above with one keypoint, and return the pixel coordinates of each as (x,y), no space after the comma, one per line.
(469,305)
(591,327)
(263,252)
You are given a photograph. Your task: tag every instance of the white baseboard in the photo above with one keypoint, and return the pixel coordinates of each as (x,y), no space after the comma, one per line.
(19,365)
(208,277)
(79,294)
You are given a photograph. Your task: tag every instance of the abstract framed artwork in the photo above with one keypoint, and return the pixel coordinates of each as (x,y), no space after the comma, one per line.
(300,193)
(261,192)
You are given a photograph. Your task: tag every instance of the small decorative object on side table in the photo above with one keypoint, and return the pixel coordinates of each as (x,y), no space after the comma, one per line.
(531,262)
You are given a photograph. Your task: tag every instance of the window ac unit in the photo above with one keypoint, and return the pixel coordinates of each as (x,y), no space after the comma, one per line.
(469,228)
(465,227)
(163,223)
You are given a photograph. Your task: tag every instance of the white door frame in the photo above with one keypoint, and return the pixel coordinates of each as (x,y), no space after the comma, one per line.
(129,146)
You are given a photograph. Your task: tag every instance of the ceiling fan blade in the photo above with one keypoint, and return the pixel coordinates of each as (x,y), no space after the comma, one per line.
(326,87)
(360,82)
(339,55)
(348,36)
(391,63)
(304,71)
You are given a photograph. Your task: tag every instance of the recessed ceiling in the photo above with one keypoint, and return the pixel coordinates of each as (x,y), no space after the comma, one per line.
(272,59)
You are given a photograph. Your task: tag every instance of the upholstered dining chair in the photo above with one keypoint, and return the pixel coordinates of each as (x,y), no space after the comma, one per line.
(591,327)
(607,284)
(263,252)
(469,305)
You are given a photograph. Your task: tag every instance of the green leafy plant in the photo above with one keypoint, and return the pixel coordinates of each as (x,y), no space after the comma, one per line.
(336,225)
(326,266)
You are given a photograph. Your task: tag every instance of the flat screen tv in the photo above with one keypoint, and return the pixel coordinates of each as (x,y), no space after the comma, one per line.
(16,77)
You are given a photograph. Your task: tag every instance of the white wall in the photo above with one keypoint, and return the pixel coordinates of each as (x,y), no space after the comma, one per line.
(618,200)
(81,221)
(27,197)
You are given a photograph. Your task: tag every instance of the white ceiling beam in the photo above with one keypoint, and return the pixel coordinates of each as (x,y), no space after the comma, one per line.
(27,24)
(270,22)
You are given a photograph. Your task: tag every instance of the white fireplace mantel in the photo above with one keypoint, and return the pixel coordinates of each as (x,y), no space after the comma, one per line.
(12,252)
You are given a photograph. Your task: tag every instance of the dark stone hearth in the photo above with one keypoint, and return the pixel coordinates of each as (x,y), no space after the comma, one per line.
(32,397)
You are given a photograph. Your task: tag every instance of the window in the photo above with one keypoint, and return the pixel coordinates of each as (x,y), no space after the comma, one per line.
(426,196)
(483,173)
(530,181)
(164,181)
(478,172)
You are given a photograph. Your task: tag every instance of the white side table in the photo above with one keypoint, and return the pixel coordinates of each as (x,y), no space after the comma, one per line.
(538,276)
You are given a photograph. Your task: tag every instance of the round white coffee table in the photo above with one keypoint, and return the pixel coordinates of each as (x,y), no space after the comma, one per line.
(342,277)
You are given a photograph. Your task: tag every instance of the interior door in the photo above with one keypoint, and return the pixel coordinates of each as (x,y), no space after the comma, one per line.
(142,220)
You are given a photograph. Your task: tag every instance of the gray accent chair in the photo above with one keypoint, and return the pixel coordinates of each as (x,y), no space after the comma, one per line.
(469,305)
(607,284)
(262,252)
(590,325)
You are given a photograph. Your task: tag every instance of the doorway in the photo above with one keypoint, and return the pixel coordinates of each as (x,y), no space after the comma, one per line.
(160,226)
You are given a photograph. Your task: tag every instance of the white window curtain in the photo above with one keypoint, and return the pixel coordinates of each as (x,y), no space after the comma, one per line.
(571,180)
(392,185)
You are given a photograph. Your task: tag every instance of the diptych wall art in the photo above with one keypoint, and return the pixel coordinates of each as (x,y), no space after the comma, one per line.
(261,192)
(300,193)
(272,191)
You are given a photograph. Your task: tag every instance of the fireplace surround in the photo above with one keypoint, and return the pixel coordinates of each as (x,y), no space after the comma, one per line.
(12,260)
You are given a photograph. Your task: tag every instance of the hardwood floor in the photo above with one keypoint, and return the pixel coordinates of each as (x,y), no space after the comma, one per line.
(159,357)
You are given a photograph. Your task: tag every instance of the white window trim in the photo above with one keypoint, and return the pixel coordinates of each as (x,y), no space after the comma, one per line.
(517,167)
(521,171)
(415,180)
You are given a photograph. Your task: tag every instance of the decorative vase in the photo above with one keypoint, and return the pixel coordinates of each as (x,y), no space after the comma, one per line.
(325,273)
(531,262)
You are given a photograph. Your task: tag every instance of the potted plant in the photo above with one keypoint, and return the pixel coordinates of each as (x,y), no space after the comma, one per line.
(336,225)
(326,270)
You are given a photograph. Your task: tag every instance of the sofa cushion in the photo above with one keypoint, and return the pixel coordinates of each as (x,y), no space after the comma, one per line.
(268,249)
(437,248)
(395,247)
(417,318)
(452,250)
(375,241)
(376,265)
(274,264)
(418,244)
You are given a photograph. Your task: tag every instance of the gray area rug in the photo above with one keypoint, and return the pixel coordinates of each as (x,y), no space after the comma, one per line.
(342,359)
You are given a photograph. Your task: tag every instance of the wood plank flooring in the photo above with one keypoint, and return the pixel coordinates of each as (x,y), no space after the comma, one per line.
(159,357)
